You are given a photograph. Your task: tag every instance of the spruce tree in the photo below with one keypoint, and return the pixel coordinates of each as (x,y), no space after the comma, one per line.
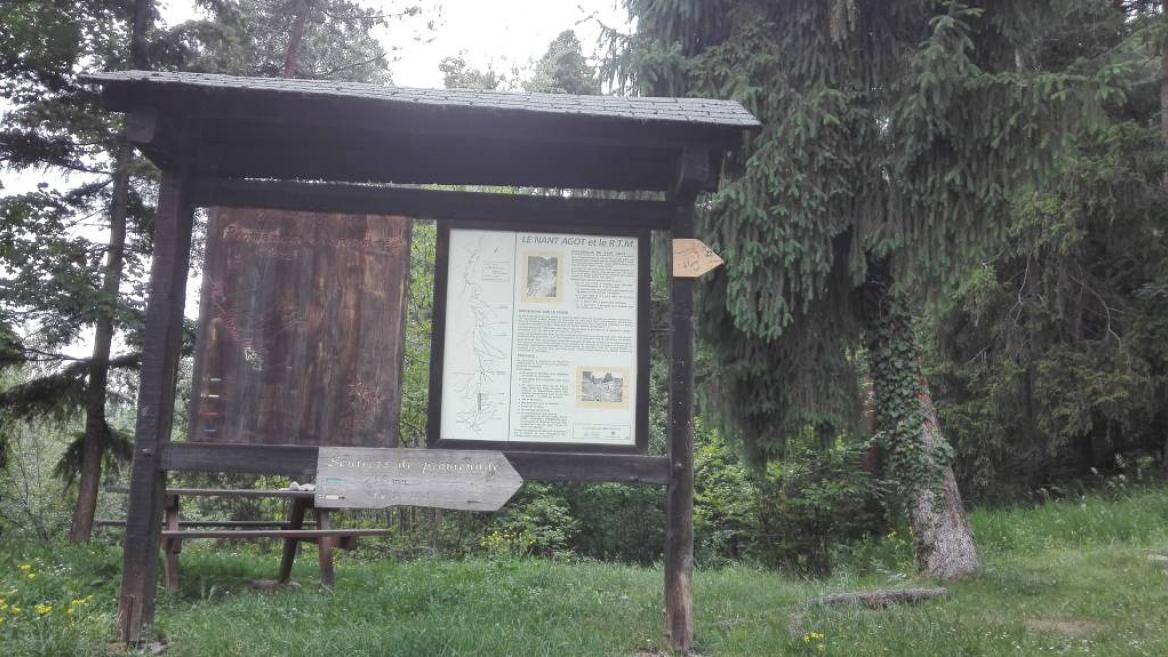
(894,134)
(564,69)
(1051,356)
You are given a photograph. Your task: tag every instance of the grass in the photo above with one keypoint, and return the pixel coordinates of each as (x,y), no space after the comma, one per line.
(1067,578)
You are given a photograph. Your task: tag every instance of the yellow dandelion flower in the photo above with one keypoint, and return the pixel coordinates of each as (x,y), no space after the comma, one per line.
(43,609)
(15,610)
(25,567)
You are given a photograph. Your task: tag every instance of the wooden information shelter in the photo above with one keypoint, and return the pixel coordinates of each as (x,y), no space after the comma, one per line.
(346,148)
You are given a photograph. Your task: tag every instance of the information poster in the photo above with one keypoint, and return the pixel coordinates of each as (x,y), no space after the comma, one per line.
(541,338)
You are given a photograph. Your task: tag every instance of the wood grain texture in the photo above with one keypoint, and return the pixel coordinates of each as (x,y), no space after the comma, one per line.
(300,336)
(324,547)
(295,521)
(348,155)
(692,258)
(171,547)
(300,461)
(301,534)
(162,339)
(547,212)
(461,480)
(239,492)
(679,497)
(274,524)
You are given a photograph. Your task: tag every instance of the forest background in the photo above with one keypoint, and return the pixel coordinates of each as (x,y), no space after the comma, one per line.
(1024,269)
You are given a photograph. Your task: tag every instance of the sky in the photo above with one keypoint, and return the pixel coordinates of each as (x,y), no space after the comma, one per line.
(499,33)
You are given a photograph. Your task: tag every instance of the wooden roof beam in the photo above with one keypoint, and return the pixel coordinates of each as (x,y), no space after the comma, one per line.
(431,204)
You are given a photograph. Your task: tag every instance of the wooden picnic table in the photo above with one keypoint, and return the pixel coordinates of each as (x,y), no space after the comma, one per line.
(292,530)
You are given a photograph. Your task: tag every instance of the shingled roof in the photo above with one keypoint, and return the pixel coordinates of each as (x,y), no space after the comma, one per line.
(704,111)
(319,129)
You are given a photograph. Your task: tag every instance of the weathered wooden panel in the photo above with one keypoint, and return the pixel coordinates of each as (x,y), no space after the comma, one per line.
(300,461)
(463,480)
(300,329)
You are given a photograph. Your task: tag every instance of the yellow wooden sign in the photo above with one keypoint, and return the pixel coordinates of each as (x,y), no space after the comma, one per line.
(692,258)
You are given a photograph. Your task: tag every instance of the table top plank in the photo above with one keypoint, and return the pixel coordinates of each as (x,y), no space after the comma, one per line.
(272,533)
(240,492)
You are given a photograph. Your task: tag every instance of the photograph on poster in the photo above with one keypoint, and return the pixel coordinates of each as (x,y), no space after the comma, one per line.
(542,278)
(600,388)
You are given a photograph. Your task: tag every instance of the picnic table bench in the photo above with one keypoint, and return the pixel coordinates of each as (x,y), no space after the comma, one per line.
(293,530)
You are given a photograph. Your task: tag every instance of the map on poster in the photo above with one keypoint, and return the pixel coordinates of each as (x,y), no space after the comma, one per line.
(541,338)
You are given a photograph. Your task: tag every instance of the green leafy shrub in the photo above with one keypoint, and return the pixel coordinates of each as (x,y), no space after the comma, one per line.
(618,522)
(540,523)
(810,501)
(725,505)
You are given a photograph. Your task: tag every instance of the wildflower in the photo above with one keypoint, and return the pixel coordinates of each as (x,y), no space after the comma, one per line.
(3,605)
(15,610)
(76,604)
(43,609)
(25,568)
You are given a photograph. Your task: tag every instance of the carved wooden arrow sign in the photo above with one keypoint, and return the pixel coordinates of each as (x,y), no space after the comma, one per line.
(375,478)
(692,258)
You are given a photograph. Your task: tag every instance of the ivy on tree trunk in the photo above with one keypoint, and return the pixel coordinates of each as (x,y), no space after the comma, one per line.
(916,456)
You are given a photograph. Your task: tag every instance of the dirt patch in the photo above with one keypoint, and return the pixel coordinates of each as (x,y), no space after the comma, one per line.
(1073,627)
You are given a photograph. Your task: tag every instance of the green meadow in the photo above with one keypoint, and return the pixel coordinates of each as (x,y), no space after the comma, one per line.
(1081,577)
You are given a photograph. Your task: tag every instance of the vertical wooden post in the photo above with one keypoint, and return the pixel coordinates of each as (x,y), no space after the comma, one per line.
(679,502)
(160,355)
(291,545)
(171,547)
(324,549)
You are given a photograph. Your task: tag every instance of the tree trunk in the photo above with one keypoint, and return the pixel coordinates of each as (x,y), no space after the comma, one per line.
(1164,136)
(1164,90)
(96,427)
(292,53)
(944,542)
(911,436)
